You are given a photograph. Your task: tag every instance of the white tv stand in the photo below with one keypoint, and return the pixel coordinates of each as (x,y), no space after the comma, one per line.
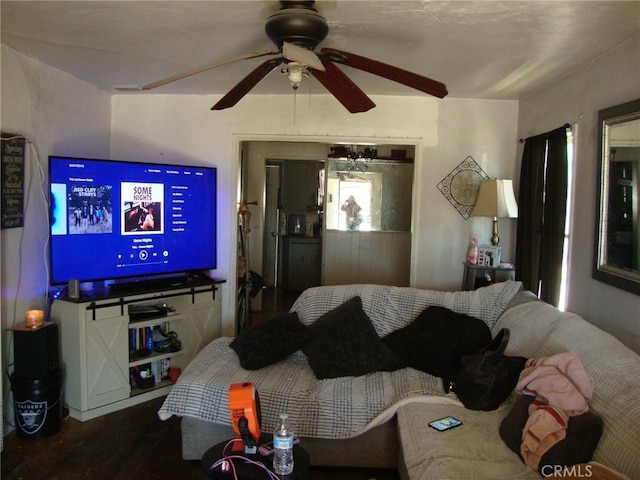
(95,343)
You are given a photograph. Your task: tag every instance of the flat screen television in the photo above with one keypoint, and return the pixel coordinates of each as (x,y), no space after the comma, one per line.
(112,219)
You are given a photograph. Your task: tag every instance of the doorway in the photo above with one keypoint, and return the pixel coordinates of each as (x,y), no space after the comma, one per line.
(292,246)
(272,230)
(381,255)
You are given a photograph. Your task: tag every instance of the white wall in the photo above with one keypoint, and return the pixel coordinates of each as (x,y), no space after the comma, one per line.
(610,80)
(486,130)
(59,115)
(182,129)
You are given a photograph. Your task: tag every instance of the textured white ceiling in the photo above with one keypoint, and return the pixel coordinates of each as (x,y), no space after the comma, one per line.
(479,49)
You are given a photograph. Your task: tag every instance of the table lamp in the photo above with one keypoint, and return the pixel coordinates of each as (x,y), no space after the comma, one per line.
(495,199)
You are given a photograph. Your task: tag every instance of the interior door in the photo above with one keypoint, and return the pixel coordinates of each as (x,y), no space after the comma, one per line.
(271,226)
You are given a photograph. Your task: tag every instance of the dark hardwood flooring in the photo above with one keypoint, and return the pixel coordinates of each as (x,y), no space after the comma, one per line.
(274,302)
(133,443)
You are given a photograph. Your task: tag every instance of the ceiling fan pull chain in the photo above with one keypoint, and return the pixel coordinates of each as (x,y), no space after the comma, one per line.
(295,96)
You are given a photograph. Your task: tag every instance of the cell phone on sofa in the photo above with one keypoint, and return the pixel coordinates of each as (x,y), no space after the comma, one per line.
(445,423)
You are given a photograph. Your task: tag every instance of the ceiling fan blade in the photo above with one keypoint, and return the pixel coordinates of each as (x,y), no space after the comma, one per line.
(424,84)
(302,55)
(246,84)
(345,91)
(195,71)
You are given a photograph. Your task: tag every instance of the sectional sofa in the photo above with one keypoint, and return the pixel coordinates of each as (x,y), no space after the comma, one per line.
(378,417)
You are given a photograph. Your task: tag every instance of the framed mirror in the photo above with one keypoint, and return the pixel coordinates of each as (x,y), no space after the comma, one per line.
(372,195)
(617,239)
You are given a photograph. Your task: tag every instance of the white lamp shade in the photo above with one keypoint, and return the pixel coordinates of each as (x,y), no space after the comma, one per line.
(495,199)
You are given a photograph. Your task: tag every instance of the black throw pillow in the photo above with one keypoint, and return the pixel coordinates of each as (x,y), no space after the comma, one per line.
(345,343)
(583,434)
(269,342)
(436,340)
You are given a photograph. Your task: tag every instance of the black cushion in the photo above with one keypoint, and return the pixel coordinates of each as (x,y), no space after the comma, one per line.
(583,434)
(512,425)
(436,340)
(271,341)
(345,343)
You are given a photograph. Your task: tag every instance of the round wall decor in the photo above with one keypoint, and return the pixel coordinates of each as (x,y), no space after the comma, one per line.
(461,185)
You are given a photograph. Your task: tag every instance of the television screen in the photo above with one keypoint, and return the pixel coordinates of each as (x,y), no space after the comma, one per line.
(113,219)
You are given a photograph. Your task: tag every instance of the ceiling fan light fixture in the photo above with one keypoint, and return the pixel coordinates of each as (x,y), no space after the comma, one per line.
(295,72)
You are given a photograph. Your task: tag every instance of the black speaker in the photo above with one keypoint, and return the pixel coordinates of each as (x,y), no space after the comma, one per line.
(36,352)
(74,288)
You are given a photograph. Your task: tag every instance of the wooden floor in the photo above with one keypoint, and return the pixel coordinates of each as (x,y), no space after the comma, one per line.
(274,301)
(133,444)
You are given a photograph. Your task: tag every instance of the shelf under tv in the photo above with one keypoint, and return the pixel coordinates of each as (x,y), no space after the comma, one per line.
(193,282)
(150,284)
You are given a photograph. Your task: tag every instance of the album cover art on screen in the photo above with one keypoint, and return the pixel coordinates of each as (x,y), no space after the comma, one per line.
(142,207)
(89,209)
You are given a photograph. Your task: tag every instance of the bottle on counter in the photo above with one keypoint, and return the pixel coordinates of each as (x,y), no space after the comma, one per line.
(472,254)
(283,446)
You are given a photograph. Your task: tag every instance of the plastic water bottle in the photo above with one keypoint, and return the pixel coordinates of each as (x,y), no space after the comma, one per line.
(472,255)
(283,446)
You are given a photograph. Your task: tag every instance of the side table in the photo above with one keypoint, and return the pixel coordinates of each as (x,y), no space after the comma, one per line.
(480,275)
(248,471)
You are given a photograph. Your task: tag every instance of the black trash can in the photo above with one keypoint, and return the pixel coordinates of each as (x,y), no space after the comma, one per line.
(37,405)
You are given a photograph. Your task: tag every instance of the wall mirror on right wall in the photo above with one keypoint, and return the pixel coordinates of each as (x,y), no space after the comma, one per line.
(617,236)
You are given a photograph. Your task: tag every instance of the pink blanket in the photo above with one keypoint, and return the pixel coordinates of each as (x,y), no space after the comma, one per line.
(560,380)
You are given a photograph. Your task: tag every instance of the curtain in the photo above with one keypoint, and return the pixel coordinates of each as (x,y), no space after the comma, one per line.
(541,214)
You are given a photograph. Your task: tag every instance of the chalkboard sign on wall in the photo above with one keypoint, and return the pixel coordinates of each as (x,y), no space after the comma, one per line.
(12,181)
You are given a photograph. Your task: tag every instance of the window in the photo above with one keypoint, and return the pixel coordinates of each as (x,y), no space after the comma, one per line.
(562,304)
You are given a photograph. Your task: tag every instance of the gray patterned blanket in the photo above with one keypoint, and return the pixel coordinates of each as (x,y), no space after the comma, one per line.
(334,408)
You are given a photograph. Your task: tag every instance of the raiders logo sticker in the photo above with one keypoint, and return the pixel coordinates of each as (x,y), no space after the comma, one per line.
(31,416)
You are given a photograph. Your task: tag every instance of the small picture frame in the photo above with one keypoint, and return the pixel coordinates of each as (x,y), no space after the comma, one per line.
(489,255)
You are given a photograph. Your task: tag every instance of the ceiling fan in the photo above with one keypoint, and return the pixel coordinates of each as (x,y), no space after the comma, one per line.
(296,30)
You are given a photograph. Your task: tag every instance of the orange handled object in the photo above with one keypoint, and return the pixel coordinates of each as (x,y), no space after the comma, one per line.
(244,405)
